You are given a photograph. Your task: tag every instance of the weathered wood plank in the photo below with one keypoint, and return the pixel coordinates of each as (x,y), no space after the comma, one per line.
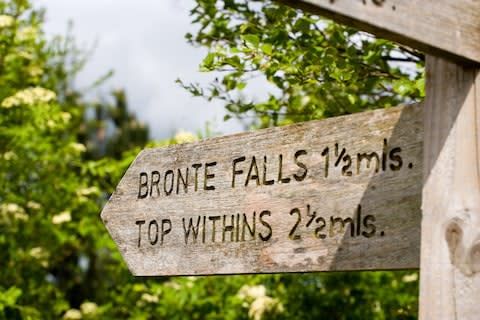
(450,254)
(446,28)
(275,200)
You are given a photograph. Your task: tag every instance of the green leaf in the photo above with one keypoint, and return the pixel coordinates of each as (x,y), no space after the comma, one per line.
(251,39)
(241,85)
(420,85)
(267,48)
(352,99)
(234,62)
(207,63)
(10,296)
(302,25)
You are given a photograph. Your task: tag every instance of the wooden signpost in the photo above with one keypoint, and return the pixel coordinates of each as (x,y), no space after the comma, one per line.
(338,194)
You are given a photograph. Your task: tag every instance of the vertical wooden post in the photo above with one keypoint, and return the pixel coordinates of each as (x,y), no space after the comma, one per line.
(450,248)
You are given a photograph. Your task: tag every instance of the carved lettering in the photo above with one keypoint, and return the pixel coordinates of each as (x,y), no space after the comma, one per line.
(166,228)
(155,179)
(322,224)
(235,171)
(191,229)
(266,182)
(265,171)
(139,223)
(395,157)
(228,227)
(368,223)
(353,226)
(300,177)
(388,159)
(267,236)
(280,170)
(184,180)
(251,228)
(142,185)
(153,238)
(369,158)
(292,234)
(166,181)
(213,219)
(154,231)
(196,166)
(208,176)
(253,173)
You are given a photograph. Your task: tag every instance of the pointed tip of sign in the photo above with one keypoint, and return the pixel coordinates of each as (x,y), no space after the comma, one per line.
(103,213)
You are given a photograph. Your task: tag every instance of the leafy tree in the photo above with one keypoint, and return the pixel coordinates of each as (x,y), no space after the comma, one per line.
(32,142)
(312,67)
(55,251)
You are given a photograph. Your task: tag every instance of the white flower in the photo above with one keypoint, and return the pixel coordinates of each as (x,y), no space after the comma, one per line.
(25,55)
(62,217)
(87,191)
(78,147)
(262,305)
(27,33)
(13,210)
(10,155)
(252,292)
(410,277)
(72,314)
(33,205)
(173,285)
(183,136)
(12,207)
(260,302)
(29,97)
(6,21)
(88,308)
(39,253)
(190,282)
(149,298)
(21,215)
(36,252)
(66,116)
(35,71)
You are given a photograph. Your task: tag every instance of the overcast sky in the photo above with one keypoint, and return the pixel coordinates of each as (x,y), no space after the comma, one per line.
(143,42)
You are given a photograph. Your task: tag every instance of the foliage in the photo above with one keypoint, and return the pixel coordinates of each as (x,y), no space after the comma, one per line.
(313,68)
(56,254)
(128,132)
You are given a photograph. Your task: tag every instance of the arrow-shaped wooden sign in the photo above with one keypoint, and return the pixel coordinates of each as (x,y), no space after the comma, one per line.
(337,194)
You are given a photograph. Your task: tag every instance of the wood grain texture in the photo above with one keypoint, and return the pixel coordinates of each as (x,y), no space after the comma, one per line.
(450,254)
(446,28)
(379,205)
